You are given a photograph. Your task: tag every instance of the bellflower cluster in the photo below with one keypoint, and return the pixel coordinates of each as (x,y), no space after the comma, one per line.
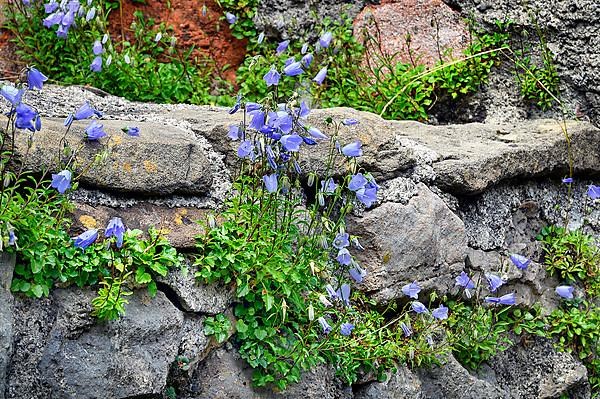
(64,15)
(25,116)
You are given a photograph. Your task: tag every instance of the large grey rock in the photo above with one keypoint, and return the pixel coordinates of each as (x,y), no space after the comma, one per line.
(538,371)
(195,296)
(224,375)
(509,216)
(7,264)
(298,19)
(474,156)
(66,353)
(399,385)
(453,381)
(571,29)
(422,240)
(163,160)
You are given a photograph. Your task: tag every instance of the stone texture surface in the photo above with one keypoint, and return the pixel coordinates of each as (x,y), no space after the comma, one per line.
(7,264)
(165,161)
(297,19)
(473,157)
(571,30)
(80,358)
(399,385)
(196,297)
(432,26)
(179,225)
(537,370)
(422,241)
(453,381)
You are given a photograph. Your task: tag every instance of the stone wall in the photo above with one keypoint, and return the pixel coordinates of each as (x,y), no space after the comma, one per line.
(453,198)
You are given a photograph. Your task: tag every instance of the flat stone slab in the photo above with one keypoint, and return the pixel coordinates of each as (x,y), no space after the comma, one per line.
(475,156)
(162,160)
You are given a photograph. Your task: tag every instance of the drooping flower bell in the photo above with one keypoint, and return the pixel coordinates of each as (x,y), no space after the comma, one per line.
(35,79)
(86,239)
(411,290)
(508,299)
(61,181)
(115,229)
(565,291)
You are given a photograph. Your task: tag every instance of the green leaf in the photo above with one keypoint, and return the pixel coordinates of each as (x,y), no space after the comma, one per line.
(241,327)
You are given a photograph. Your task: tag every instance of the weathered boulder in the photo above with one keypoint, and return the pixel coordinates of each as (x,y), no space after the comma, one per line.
(165,161)
(194,296)
(452,381)
(7,264)
(536,370)
(399,385)
(421,241)
(179,225)
(475,156)
(77,357)
(295,19)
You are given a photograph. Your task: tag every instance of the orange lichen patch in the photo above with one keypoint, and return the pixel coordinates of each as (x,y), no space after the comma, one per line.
(150,167)
(88,221)
(116,140)
(179,215)
(208,33)
(127,167)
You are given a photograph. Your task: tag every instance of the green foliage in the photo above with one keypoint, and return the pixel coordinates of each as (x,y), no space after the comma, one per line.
(219,326)
(381,84)
(142,70)
(572,256)
(244,10)
(477,332)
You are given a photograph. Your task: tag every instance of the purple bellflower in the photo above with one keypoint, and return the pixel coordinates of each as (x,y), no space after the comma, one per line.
(316,133)
(50,7)
(133,131)
(97,48)
(418,307)
(91,13)
(440,313)
(320,77)
(245,149)
(594,192)
(115,229)
(96,65)
(357,273)
(231,19)
(328,186)
(85,112)
(350,122)
(307,60)
(325,39)
(343,257)
(326,327)
(234,132)
(411,290)
(258,120)
(85,239)
(341,240)
(270,182)
(508,299)
(463,280)
(27,118)
(406,329)
(331,292)
(520,261)
(35,79)
(567,180)
(293,69)
(281,47)
(61,181)
(565,291)
(494,281)
(353,149)
(95,131)
(304,48)
(291,142)
(346,329)
(357,182)
(272,77)
(344,294)
(12,94)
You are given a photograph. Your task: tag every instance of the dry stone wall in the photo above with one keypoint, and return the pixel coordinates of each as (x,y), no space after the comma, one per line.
(454,197)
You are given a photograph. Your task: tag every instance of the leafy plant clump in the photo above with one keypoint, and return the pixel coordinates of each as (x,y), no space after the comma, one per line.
(34,222)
